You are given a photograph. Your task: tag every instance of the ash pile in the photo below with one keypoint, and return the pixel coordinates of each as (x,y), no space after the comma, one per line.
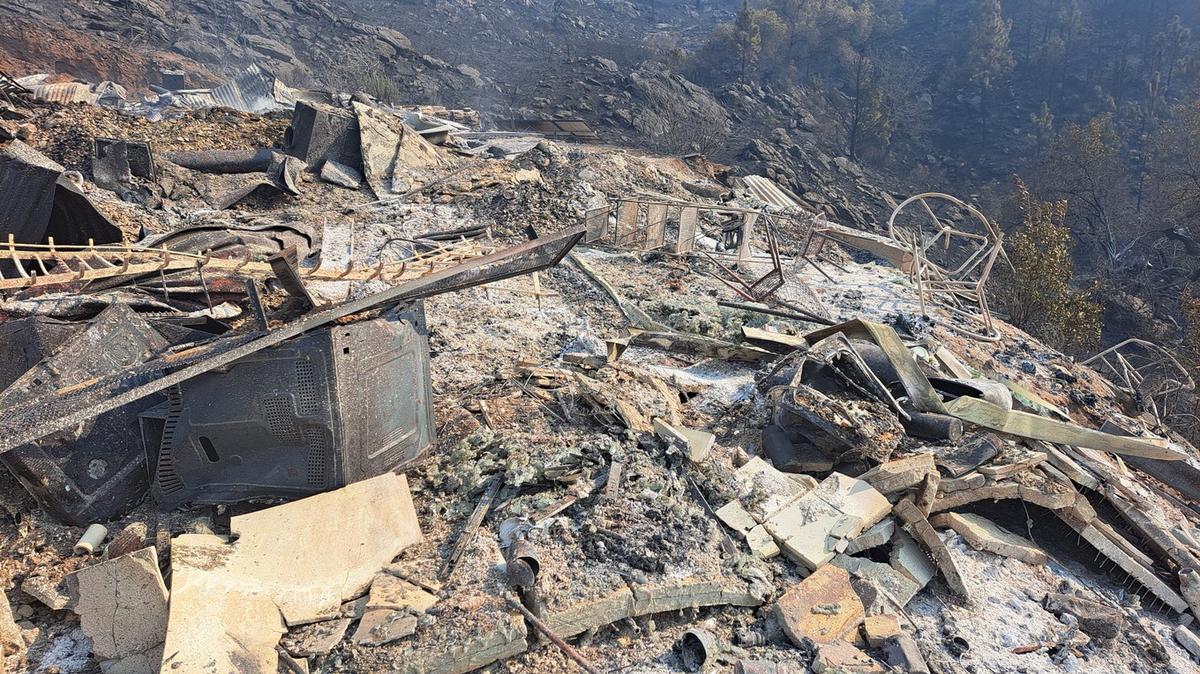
(353,388)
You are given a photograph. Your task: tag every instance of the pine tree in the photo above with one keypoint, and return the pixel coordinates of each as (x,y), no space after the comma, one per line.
(989,57)
(747,38)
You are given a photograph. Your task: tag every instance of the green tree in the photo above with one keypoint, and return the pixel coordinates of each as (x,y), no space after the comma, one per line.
(1036,293)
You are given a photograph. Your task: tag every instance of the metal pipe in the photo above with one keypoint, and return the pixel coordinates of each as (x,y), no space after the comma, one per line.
(554,638)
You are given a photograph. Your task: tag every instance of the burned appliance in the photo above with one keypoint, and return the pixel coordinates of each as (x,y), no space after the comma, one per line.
(97,470)
(333,406)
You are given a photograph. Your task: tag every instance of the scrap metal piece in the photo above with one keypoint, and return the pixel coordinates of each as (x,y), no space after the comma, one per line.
(46,414)
(472,525)
(554,638)
(95,471)
(40,202)
(284,264)
(1026,425)
(957,276)
(554,128)
(1146,372)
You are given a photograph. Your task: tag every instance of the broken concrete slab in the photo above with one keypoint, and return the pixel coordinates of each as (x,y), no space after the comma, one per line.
(899,475)
(879,628)
(910,559)
(337,551)
(341,175)
(916,524)
(294,564)
(822,607)
(218,621)
(872,538)
(841,657)
(983,534)
(122,608)
(762,545)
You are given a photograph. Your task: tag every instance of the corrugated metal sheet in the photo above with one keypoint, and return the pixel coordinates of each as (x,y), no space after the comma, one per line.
(766,191)
(65,92)
(253,90)
(77,92)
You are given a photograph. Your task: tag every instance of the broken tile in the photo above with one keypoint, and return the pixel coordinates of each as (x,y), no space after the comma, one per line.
(317,638)
(841,657)
(122,608)
(897,588)
(809,529)
(899,475)
(853,497)
(983,534)
(763,490)
(822,607)
(735,517)
(910,559)
(874,537)
(762,545)
(879,628)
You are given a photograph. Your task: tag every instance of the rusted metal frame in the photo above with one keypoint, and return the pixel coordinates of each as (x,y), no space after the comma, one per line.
(45,414)
(136,262)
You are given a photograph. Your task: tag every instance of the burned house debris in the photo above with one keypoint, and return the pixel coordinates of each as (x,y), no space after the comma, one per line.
(372,390)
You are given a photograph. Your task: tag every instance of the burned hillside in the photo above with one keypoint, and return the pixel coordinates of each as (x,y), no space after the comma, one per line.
(614,373)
